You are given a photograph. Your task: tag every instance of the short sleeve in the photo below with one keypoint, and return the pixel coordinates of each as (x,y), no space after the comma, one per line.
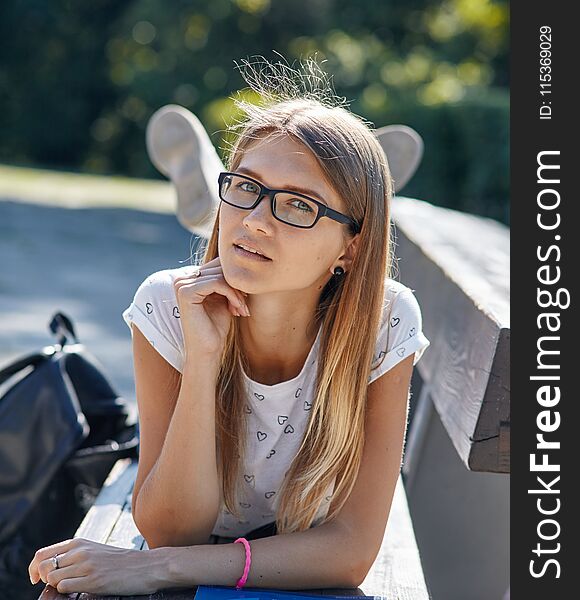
(400,333)
(155,311)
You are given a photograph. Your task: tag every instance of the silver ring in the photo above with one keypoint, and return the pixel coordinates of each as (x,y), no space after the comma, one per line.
(197,273)
(55,561)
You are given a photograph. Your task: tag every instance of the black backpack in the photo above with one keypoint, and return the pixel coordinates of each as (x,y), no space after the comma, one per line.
(62,428)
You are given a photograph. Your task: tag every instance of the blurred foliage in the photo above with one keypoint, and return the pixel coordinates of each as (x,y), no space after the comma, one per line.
(466,160)
(79,80)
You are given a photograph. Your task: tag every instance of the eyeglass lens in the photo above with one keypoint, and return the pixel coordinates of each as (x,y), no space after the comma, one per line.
(292,209)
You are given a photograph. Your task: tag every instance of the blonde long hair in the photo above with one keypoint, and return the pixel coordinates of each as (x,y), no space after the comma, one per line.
(349,309)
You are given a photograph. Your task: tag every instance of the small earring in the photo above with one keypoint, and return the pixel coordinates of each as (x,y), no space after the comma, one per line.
(339,271)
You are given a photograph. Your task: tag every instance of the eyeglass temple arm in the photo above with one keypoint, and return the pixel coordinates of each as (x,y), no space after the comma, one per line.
(339,216)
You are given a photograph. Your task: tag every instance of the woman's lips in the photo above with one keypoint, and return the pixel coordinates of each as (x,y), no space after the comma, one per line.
(250,255)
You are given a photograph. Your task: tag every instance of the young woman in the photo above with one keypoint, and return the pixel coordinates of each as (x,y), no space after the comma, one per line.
(272,379)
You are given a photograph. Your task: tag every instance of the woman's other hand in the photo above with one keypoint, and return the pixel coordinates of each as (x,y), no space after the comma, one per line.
(86,566)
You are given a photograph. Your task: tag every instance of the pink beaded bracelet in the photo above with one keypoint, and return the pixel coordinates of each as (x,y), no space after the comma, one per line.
(242,580)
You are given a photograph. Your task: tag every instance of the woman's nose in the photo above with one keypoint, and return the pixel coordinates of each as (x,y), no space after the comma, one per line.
(261,215)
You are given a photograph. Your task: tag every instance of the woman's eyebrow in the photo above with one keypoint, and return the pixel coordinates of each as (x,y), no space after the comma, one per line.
(291,188)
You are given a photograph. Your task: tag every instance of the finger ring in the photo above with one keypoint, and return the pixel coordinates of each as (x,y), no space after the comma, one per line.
(197,273)
(55,561)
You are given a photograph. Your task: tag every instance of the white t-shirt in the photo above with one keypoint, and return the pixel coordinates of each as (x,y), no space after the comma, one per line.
(277,414)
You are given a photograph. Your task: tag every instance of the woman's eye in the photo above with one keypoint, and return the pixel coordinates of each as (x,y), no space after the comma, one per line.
(304,207)
(252,188)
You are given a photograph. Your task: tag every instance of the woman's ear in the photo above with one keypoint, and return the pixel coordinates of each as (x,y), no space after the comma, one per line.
(350,252)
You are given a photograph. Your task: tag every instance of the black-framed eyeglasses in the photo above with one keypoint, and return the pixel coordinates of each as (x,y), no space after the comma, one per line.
(288,207)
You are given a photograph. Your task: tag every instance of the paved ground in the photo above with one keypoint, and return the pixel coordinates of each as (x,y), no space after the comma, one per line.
(86,262)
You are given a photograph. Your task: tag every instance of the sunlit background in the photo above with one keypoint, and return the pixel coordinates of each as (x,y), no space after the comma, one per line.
(85,217)
(79,80)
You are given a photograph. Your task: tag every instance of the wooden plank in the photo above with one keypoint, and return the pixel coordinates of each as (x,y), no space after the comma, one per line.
(183,594)
(458,265)
(94,597)
(50,593)
(102,516)
(397,571)
(125,533)
(491,450)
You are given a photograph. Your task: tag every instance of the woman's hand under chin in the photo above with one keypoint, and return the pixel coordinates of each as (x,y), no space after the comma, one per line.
(86,566)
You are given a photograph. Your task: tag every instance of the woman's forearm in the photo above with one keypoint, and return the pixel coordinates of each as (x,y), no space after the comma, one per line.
(178,503)
(320,557)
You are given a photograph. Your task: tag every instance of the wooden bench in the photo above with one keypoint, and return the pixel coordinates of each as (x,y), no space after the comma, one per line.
(458,445)
(396,573)
(459,266)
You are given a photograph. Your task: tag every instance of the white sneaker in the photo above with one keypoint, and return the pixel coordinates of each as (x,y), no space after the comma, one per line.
(179,147)
(404,149)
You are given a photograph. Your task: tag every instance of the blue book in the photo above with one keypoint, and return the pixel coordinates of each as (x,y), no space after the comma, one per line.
(218,592)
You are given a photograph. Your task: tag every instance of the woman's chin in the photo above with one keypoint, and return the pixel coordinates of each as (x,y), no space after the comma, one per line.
(239,279)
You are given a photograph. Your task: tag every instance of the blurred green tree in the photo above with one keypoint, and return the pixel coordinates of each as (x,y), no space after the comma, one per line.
(79,81)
